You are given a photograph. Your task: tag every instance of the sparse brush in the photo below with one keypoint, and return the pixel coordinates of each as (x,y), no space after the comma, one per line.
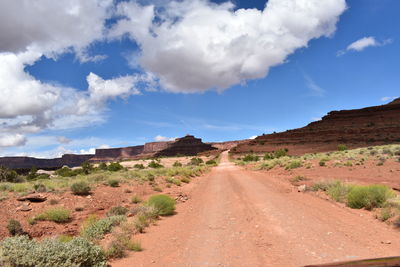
(14,227)
(385,214)
(113,182)
(80,188)
(118,210)
(136,199)
(293,165)
(369,197)
(165,205)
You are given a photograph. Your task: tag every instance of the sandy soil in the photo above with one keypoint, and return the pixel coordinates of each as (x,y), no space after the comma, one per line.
(237,217)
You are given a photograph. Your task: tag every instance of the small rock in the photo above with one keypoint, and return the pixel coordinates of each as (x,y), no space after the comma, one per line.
(33,198)
(387,242)
(301,188)
(24,207)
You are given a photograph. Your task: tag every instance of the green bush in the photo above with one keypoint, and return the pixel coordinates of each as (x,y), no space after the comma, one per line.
(14,227)
(40,188)
(114,167)
(94,228)
(293,165)
(251,157)
(80,188)
(338,191)
(211,162)
(322,163)
(103,166)
(115,211)
(58,215)
(136,199)
(368,197)
(155,165)
(139,166)
(341,147)
(185,180)
(113,182)
(24,252)
(87,167)
(196,161)
(165,205)
(67,172)
(281,153)
(7,175)
(32,174)
(177,164)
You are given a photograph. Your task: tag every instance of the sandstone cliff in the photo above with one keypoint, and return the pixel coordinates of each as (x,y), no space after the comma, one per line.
(376,125)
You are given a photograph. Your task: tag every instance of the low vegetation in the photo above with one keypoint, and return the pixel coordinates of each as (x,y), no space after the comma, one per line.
(80,188)
(164,205)
(22,251)
(58,215)
(356,196)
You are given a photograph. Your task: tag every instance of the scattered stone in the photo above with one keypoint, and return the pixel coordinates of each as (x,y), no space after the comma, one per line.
(33,198)
(181,197)
(301,188)
(387,242)
(24,207)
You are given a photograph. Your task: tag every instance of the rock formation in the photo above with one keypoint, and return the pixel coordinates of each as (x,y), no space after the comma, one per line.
(188,146)
(69,160)
(370,126)
(112,154)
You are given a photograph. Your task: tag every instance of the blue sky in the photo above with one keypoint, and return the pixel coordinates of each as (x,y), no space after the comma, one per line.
(162,94)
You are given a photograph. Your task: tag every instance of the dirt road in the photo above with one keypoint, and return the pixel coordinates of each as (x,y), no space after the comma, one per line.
(242,218)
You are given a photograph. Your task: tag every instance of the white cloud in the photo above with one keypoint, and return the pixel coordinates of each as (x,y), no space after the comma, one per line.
(8,140)
(91,150)
(197,45)
(316,118)
(253,137)
(388,98)
(363,43)
(63,140)
(160,138)
(315,89)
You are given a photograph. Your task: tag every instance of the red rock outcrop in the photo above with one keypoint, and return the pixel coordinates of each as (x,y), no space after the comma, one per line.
(188,146)
(376,125)
(112,154)
(70,160)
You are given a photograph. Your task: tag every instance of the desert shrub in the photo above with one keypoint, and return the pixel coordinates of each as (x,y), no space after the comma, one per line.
(65,238)
(381,162)
(155,165)
(113,182)
(250,157)
(211,162)
(348,164)
(322,185)
(94,228)
(136,199)
(177,164)
(385,214)
(322,162)
(7,175)
(40,188)
(115,211)
(341,147)
(165,205)
(80,188)
(42,176)
(103,166)
(58,215)
(116,249)
(66,172)
(151,177)
(338,191)
(139,166)
(24,252)
(87,167)
(176,182)
(114,167)
(32,174)
(157,188)
(294,164)
(53,202)
(185,180)
(368,197)
(196,161)
(281,153)
(14,227)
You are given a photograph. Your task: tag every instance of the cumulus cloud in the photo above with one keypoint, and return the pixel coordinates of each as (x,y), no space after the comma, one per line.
(196,45)
(63,140)
(363,43)
(160,138)
(253,137)
(8,140)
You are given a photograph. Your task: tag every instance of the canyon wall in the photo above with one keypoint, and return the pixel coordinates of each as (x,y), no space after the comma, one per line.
(370,126)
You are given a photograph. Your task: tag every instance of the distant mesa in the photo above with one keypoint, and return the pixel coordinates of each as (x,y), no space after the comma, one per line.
(378,125)
(186,146)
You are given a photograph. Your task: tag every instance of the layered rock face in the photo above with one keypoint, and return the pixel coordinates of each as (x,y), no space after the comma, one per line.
(69,160)
(188,146)
(109,154)
(376,125)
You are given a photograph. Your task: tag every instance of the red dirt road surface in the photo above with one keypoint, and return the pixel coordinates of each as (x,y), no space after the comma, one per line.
(236,217)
